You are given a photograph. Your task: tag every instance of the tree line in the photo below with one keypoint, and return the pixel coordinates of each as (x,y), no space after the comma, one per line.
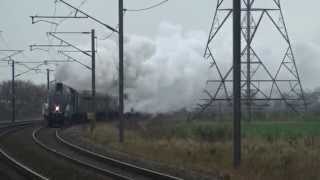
(29,100)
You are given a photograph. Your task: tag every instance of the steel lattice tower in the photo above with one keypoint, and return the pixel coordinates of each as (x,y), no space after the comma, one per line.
(259,84)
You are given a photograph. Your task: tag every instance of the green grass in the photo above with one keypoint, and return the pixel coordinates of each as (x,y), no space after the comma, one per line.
(282,129)
(221,131)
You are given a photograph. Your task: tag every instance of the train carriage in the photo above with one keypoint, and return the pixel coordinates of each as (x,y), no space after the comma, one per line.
(66,106)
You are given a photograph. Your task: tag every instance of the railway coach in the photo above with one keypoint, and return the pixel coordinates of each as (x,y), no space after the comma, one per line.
(66,106)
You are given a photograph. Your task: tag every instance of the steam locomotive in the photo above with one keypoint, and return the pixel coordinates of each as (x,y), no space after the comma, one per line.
(66,106)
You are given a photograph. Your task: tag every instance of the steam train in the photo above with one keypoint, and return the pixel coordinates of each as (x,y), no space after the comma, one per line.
(66,106)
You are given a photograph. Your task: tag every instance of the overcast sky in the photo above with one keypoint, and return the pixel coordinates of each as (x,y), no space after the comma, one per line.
(192,15)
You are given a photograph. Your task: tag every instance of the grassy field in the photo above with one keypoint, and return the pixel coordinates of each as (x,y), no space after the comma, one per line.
(271,150)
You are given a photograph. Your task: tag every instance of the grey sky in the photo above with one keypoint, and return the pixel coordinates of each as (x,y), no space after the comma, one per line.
(301,18)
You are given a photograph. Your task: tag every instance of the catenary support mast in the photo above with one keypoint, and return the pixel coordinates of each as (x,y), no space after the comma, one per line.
(121,79)
(237,82)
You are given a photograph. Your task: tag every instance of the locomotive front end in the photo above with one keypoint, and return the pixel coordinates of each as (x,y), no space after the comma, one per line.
(57,100)
(56,116)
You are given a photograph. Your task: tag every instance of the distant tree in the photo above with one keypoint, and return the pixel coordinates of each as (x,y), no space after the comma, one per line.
(29,99)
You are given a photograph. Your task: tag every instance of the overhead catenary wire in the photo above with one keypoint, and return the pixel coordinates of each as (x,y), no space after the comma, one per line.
(108,36)
(35,68)
(55,26)
(8,46)
(147,8)
(73,11)
(5,43)
(52,29)
(8,60)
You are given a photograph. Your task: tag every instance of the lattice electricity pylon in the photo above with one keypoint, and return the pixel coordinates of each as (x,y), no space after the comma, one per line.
(259,84)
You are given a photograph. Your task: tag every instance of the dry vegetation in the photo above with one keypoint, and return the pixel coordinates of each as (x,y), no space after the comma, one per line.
(271,150)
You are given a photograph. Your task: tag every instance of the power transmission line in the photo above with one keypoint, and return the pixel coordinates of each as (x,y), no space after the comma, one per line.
(147,8)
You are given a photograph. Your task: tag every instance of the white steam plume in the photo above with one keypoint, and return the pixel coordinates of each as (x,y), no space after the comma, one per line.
(163,74)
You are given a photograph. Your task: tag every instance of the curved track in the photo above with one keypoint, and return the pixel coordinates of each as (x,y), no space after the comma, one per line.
(51,141)
(20,168)
(46,139)
(117,163)
(21,145)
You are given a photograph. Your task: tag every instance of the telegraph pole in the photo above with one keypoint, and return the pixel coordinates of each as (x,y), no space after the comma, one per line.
(121,104)
(48,79)
(236,83)
(13,97)
(13,103)
(248,39)
(93,56)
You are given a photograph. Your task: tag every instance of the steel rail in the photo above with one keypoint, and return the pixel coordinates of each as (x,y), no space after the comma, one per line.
(9,124)
(79,162)
(26,171)
(121,164)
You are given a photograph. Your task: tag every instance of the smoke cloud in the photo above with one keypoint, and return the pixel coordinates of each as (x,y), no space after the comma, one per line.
(308,54)
(168,72)
(163,74)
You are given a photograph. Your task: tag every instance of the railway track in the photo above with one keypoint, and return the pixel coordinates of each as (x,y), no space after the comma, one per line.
(50,140)
(115,162)
(21,145)
(5,125)
(20,168)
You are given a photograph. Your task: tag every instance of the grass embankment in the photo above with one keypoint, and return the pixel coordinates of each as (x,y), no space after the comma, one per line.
(271,150)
